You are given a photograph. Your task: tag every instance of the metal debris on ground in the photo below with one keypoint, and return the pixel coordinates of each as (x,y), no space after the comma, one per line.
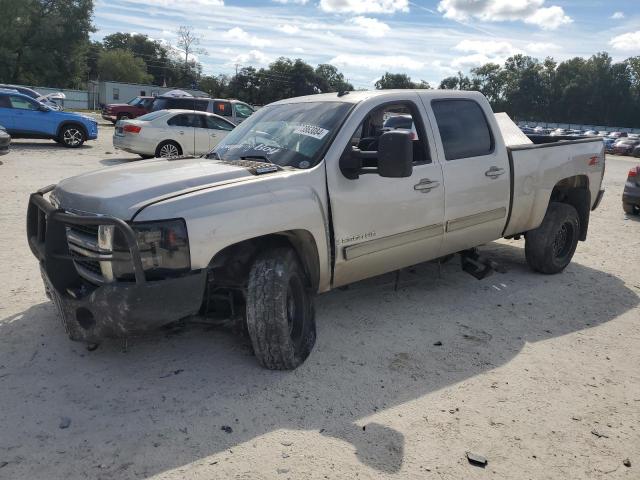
(64,422)
(477,460)
(626,462)
(226,429)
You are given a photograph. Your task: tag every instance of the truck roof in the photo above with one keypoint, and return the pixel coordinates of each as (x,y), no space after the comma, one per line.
(361,95)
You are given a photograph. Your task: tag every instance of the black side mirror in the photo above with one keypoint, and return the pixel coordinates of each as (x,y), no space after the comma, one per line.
(393,159)
(395,154)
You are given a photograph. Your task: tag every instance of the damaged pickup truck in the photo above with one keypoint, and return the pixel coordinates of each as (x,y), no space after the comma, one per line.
(306,195)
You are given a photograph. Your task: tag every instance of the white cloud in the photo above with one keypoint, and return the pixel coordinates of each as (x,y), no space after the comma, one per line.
(288,28)
(239,35)
(617,15)
(295,2)
(627,41)
(298,50)
(253,57)
(372,27)
(364,6)
(542,48)
(480,52)
(549,18)
(377,62)
(529,11)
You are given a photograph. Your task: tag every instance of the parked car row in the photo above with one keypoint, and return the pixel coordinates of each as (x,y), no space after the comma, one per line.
(48,100)
(233,110)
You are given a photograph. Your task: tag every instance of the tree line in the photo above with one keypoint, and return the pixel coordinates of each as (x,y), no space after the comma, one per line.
(46,42)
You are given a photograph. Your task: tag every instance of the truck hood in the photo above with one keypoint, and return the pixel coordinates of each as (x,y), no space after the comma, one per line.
(122,190)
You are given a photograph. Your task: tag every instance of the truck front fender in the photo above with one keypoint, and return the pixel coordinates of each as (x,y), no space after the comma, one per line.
(229,215)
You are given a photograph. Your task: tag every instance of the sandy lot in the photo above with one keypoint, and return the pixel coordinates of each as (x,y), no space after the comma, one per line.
(537,373)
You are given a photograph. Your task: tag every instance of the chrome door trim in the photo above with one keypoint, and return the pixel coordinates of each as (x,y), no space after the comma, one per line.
(391,241)
(476,219)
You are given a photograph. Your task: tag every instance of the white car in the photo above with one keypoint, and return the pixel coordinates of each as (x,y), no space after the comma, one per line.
(168,133)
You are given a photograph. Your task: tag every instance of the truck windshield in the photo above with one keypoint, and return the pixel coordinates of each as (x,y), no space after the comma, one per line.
(293,135)
(134,101)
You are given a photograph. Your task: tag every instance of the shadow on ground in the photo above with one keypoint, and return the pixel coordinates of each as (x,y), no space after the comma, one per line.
(163,403)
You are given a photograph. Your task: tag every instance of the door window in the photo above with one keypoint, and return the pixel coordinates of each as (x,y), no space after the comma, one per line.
(22,103)
(242,110)
(218,124)
(403,116)
(4,102)
(463,128)
(185,120)
(116,94)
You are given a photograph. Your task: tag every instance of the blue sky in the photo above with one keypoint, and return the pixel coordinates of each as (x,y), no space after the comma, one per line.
(427,39)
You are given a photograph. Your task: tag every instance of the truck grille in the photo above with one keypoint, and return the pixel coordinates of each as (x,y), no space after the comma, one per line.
(91,250)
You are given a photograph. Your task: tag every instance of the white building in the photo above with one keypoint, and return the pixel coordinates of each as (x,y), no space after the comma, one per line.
(103,93)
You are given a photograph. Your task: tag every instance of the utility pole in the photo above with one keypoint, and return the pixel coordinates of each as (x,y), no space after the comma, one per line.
(236,82)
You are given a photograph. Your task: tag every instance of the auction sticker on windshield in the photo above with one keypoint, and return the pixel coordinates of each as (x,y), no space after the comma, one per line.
(311,131)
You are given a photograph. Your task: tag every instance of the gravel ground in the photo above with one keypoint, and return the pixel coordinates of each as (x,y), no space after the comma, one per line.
(539,374)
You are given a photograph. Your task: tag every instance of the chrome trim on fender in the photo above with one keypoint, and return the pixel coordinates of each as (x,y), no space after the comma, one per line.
(396,240)
(476,219)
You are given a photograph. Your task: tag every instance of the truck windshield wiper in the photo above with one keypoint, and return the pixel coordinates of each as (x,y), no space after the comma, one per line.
(256,157)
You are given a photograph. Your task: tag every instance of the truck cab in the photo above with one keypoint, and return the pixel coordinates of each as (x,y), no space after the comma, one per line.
(306,195)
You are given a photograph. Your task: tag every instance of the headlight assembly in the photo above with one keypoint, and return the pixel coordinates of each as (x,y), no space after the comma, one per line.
(164,250)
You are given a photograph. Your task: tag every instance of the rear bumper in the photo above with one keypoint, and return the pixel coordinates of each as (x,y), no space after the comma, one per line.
(92,312)
(631,195)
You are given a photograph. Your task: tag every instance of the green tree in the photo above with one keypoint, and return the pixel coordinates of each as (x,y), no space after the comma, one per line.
(44,41)
(390,81)
(122,66)
(329,79)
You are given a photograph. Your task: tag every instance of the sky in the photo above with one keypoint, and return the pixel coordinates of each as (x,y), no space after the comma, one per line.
(426,39)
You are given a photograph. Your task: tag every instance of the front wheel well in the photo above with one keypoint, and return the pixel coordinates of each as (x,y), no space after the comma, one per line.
(231,265)
(575,192)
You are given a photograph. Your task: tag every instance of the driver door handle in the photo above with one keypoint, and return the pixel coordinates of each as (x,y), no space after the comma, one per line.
(425,185)
(494,172)
(181,132)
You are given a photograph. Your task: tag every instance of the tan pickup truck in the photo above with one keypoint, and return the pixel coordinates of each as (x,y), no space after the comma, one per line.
(306,195)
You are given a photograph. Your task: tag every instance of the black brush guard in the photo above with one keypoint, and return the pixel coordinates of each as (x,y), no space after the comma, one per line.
(92,312)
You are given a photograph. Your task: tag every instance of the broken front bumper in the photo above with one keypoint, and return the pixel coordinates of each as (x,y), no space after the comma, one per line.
(92,312)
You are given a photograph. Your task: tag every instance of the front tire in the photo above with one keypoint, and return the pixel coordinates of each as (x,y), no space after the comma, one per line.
(630,209)
(72,136)
(550,247)
(167,149)
(280,313)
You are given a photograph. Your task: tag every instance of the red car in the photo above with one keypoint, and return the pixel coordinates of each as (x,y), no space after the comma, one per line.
(135,107)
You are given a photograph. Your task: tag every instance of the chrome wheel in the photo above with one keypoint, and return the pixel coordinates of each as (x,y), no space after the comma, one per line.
(73,137)
(169,150)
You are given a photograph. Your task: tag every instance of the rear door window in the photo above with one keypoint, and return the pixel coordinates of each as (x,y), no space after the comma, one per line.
(185,120)
(463,128)
(222,108)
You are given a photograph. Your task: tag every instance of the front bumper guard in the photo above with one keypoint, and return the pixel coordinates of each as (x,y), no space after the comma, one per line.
(113,310)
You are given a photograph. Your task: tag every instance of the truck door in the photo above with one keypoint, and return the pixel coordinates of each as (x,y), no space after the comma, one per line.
(201,135)
(475,167)
(383,224)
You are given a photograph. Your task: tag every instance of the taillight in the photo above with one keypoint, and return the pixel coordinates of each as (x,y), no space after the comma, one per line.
(633,172)
(132,129)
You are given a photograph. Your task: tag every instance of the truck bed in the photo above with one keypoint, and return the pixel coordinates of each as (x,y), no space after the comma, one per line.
(536,169)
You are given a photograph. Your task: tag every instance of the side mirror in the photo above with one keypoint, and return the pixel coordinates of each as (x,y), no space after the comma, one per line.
(394,158)
(395,154)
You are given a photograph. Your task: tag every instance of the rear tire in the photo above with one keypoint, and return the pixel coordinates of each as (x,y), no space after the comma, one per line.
(168,148)
(280,313)
(630,209)
(72,136)
(550,247)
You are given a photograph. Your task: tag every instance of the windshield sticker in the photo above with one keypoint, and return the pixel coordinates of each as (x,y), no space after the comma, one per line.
(311,131)
(261,147)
